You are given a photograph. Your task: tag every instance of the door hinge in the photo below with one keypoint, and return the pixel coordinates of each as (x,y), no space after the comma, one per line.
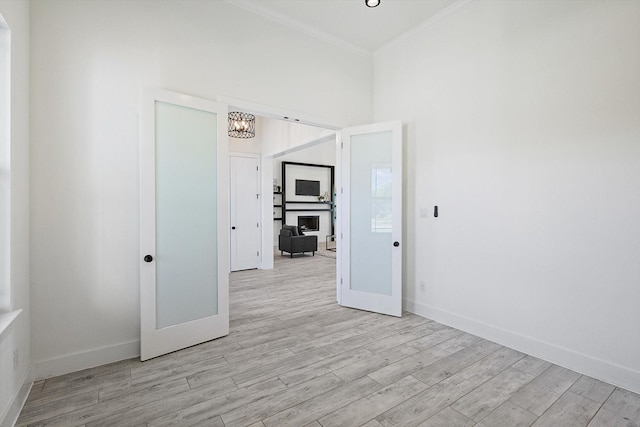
(257,196)
(341,236)
(257,168)
(258,224)
(341,144)
(341,280)
(258,253)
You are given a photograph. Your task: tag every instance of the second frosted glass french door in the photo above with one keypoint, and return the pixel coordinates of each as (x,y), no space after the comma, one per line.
(371,218)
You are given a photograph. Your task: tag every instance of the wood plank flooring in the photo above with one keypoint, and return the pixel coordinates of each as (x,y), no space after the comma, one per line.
(296,358)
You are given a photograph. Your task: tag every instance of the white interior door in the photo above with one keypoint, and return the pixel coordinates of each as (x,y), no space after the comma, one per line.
(245,212)
(184,239)
(370,251)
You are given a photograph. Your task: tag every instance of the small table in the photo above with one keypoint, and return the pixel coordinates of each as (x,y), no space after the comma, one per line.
(330,238)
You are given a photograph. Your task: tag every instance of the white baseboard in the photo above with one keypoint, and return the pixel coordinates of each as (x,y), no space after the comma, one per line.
(603,370)
(11,416)
(84,360)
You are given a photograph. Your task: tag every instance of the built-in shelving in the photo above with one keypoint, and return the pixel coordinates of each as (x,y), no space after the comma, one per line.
(313,203)
(287,203)
(276,205)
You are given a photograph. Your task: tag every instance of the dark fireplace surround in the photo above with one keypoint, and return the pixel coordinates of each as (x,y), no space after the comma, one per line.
(309,223)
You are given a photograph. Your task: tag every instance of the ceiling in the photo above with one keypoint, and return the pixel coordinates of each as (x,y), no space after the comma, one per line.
(349,22)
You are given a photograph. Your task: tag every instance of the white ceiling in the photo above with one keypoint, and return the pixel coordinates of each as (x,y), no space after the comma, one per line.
(349,22)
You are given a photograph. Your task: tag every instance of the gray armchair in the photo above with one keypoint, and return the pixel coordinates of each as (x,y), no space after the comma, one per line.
(291,240)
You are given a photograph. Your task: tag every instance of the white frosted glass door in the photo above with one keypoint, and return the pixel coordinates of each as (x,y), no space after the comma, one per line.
(184,268)
(370,250)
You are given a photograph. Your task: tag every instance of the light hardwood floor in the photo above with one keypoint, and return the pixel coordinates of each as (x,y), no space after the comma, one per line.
(296,358)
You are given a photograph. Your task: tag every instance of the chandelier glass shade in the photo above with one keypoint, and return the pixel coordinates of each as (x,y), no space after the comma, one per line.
(242,125)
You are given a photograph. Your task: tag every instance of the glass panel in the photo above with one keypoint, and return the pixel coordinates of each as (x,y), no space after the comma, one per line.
(381,188)
(186,215)
(371,195)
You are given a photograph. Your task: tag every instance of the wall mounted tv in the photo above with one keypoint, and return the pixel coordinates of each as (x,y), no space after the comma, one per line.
(307,188)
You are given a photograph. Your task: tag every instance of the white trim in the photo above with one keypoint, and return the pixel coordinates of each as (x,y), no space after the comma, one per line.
(6,302)
(257,8)
(7,319)
(424,25)
(278,113)
(339,212)
(86,359)
(603,370)
(307,144)
(10,417)
(266,211)
(242,154)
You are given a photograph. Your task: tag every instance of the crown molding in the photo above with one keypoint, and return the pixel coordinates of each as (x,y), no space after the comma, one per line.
(257,8)
(424,25)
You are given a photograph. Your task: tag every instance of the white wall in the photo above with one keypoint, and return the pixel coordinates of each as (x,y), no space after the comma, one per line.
(522,123)
(323,153)
(282,136)
(16,14)
(89,61)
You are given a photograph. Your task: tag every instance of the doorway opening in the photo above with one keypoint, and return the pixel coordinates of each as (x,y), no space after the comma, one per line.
(308,207)
(281,135)
(279,140)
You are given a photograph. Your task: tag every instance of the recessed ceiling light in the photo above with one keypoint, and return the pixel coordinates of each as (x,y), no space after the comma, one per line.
(372,3)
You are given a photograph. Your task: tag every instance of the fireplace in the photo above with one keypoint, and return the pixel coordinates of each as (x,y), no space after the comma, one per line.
(309,223)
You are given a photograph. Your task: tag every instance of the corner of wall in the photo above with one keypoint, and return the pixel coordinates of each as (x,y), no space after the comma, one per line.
(603,370)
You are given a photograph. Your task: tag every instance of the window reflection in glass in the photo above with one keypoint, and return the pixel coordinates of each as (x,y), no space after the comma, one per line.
(381,189)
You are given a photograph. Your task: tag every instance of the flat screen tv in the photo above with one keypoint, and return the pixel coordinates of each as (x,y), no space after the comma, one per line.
(307,188)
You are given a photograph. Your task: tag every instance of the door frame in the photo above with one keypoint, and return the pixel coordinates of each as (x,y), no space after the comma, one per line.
(259,188)
(266,175)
